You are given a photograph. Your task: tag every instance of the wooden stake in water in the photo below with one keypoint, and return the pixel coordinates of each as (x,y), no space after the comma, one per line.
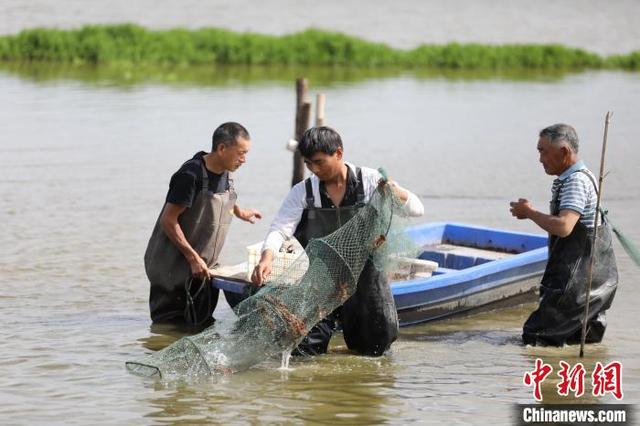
(303,118)
(594,237)
(320,101)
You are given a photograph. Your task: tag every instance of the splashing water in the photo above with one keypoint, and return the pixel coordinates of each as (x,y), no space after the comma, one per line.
(286,356)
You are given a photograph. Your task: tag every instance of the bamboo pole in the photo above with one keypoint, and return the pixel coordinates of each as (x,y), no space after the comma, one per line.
(594,237)
(320,101)
(303,113)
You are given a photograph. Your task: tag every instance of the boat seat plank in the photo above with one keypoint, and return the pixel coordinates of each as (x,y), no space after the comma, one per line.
(459,257)
(467,251)
(442,270)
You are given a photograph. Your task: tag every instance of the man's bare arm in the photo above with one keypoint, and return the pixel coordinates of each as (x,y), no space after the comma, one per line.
(248,215)
(561,225)
(171,227)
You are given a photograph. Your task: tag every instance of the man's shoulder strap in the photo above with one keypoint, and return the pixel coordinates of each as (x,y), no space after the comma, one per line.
(310,199)
(360,187)
(591,178)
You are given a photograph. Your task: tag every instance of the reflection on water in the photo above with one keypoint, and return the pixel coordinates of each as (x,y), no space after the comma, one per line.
(84,170)
(162,335)
(230,75)
(315,391)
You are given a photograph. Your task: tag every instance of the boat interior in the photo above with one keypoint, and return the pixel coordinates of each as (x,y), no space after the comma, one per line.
(451,257)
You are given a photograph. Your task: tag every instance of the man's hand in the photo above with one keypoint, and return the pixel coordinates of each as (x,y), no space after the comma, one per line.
(199,268)
(261,273)
(248,215)
(521,209)
(560,225)
(263,269)
(398,191)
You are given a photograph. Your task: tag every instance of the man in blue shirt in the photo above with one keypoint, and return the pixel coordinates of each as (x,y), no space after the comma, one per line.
(570,224)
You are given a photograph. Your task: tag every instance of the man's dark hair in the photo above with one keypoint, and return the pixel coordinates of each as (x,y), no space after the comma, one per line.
(319,139)
(228,134)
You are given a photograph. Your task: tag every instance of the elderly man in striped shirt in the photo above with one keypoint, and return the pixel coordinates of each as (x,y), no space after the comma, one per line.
(570,224)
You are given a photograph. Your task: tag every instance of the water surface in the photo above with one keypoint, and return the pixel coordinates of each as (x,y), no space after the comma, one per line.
(84,169)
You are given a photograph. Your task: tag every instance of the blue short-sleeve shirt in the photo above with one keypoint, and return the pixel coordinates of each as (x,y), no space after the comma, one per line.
(578,192)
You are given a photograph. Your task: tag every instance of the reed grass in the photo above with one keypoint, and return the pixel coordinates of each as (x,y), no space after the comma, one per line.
(133,44)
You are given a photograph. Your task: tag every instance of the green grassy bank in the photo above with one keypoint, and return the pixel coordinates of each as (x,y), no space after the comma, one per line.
(132,44)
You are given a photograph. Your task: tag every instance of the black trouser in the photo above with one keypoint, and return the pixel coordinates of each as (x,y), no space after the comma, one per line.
(316,341)
(368,318)
(563,290)
(192,303)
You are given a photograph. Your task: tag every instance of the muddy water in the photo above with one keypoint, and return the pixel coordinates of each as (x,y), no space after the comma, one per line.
(84,168)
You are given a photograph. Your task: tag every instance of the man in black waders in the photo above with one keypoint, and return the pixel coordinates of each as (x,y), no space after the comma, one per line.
(315,208)
(563,291)
(191,230)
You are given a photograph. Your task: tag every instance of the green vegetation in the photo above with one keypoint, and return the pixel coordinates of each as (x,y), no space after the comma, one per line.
(627,62)
(132,44)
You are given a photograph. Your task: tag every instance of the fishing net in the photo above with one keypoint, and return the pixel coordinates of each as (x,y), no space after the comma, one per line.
(629,246)
(277,317)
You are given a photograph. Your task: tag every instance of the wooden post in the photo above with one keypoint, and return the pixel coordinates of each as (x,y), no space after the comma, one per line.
(320,100)
(303,118)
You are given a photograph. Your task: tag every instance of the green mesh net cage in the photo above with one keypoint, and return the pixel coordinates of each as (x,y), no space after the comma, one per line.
(277,317)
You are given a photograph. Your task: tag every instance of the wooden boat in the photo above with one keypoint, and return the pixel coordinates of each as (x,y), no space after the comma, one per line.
(478,268)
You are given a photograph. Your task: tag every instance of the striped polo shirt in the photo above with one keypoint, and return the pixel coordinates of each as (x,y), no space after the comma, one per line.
(577,193)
